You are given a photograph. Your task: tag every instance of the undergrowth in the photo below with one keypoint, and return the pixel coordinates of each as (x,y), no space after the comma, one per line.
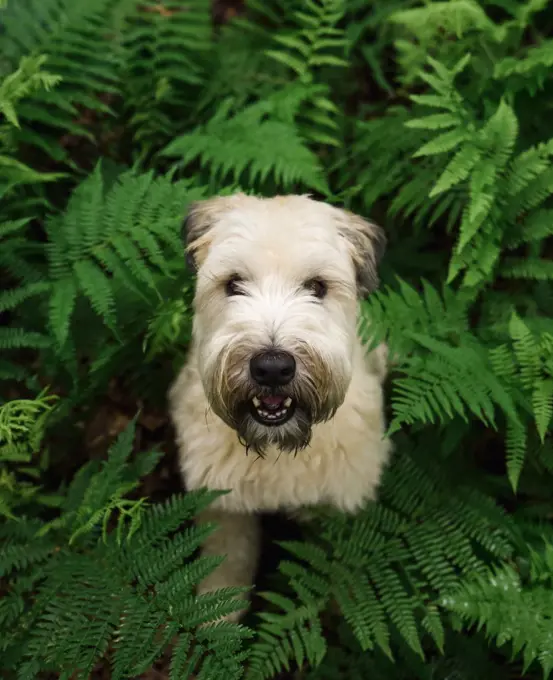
(430,117)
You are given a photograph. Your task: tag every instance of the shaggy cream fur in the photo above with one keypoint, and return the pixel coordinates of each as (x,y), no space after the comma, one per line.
(272,250)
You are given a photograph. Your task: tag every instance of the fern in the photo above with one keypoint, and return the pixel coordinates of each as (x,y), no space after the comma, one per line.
(240,70)
(456,18)
(447,30)
(313,43)
(446,370)
(388,168)
(532,363)
(166,47)
(305,38)
(511,607)
(496,181)
(118,272)
(91,609)
(11,298)
(22,425)
(467,658)
(128,233)
(71,36)
(170,326)
(27,79)
(21,83)
(430,118)
(383,567)
(259,144)
(315,36)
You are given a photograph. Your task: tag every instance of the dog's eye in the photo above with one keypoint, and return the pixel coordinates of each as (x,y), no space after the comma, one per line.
(317,288)
(233,286)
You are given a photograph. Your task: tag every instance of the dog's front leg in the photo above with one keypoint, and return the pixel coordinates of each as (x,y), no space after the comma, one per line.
(237,538)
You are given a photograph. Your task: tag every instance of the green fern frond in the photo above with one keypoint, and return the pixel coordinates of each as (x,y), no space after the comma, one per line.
(316,42)
(533,358)
(255,144)
(293,634)
(455,18)
(170,325)
(538,58)
(542,405)
(166,49)
(141,598)
(180,657)
(527,167)
(503,363)
(527,352)
(72,37)
(126,234)
(10,299)
(26,80)
(141,638)
(527,268)
(387,168)
(364,612)
(18,338)
(510,610)
(93,504)
(20,552)
(537,226)
(390,314)
(452,381)
(420,31)
(498,187)
(516,446)
(420,538)
(446,369)
(23,420)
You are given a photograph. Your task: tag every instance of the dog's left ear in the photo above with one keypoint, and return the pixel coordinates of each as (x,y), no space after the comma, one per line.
(367,244)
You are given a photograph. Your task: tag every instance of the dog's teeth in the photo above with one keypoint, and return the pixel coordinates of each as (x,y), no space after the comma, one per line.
(288,402)
(256,402)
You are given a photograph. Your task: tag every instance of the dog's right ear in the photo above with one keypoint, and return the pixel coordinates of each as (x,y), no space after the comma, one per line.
(194,227)
(197,225)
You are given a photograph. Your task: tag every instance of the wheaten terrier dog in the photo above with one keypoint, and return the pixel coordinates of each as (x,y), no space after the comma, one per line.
(279,401)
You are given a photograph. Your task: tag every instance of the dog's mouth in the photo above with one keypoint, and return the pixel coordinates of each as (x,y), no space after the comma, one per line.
(272,410)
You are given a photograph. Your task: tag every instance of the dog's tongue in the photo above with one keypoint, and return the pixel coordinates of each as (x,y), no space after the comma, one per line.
(272,402)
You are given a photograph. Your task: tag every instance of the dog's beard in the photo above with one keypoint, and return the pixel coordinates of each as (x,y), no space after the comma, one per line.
(244,409)
(265,418)
(290,437)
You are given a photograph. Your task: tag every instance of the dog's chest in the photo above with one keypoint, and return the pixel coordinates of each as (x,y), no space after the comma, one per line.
(341,467)
(282,481)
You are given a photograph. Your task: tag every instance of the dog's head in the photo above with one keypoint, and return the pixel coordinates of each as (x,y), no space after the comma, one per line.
(278,282)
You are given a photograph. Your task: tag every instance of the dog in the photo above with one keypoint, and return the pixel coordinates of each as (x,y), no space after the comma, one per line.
(278,402)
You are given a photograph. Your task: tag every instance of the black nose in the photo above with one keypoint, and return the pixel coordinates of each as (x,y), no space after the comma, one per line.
(273,369)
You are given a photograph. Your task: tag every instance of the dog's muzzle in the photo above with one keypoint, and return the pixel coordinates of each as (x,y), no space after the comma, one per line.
(273,409)
(274,402)
(272,370)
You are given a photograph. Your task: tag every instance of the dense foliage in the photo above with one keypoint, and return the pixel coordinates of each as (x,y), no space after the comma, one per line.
(431,117)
